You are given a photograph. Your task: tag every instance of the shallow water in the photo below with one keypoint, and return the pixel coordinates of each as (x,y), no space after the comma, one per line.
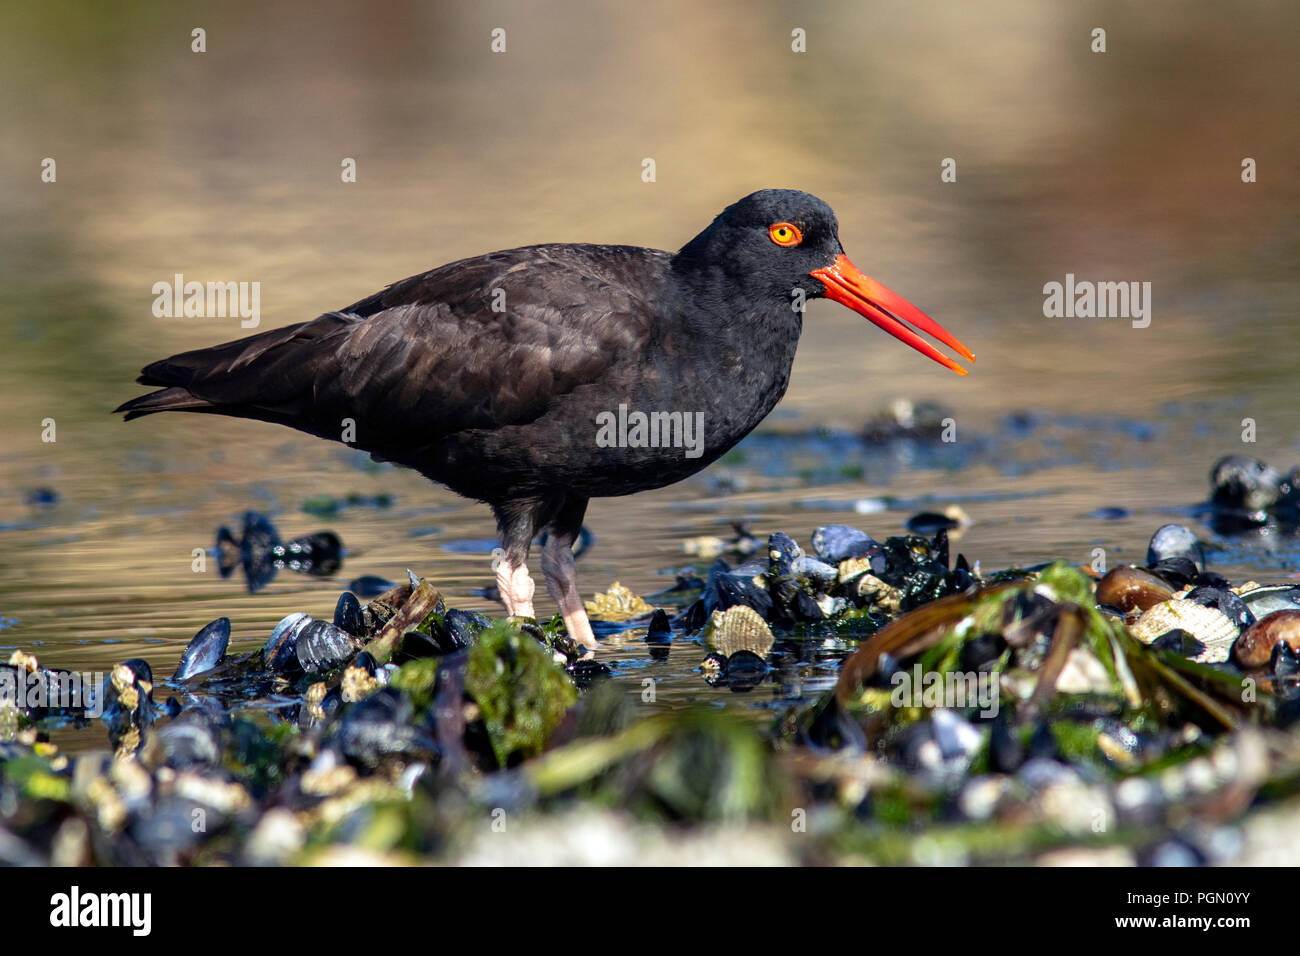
(226,166)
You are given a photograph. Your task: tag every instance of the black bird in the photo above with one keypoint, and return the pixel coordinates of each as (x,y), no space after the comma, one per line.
(535,379)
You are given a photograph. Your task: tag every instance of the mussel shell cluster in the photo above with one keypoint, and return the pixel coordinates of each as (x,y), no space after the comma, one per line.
(1176,604)
(300,643)
(848,571)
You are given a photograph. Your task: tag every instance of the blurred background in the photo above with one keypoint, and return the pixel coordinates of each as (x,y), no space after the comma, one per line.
(225,166)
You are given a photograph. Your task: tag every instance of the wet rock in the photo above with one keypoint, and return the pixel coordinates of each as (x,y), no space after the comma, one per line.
(1255,646)
(1041,772)
(941,747)
(1127,589)
(204,650)
(167,832)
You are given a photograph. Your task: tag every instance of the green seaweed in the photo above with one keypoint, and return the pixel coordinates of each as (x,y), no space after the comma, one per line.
(521,691)
(418,680)
(693,765)
(35,779)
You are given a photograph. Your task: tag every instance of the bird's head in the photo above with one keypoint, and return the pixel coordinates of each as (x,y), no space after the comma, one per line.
(785,244)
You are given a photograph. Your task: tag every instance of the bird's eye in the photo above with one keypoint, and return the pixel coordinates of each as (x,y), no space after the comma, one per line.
(785,234)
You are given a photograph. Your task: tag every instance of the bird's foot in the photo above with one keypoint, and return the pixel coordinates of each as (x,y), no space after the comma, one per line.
(579,627)
(517,589)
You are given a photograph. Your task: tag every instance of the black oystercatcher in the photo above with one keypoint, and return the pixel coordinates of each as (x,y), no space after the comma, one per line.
(536,379)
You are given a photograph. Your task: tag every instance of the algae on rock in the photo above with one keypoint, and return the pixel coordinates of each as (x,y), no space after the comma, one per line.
(522,693)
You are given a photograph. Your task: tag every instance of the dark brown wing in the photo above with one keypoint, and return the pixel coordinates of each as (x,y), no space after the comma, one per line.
(482,343)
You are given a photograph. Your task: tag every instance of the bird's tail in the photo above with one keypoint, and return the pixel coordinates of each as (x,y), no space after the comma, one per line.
(234,378)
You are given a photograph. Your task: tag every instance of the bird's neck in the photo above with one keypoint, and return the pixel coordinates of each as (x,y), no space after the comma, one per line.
(733,307)
(741,334)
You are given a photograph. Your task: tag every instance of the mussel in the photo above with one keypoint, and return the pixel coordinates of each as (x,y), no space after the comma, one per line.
(204,650)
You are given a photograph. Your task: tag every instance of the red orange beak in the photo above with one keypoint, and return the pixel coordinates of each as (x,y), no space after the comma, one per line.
(846,284)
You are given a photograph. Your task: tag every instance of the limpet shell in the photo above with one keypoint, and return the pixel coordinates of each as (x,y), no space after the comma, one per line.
(738,628)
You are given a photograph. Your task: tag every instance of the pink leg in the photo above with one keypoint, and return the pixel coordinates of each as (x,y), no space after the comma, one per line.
(562,581)
(516,587)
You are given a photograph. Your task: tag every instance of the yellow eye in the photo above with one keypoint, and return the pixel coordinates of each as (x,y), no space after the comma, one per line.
(785,234)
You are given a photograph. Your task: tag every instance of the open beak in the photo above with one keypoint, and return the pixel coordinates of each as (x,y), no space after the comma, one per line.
(846,284)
